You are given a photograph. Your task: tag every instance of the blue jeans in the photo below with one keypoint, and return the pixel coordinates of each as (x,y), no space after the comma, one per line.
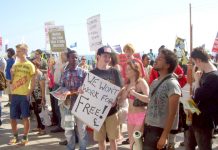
(198,136)
(80,131)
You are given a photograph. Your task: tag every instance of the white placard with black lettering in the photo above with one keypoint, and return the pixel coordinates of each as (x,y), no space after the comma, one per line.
(94,32)
(94,104)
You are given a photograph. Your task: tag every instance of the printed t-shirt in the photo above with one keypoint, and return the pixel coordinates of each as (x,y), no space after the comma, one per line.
(158,105)
(22,75)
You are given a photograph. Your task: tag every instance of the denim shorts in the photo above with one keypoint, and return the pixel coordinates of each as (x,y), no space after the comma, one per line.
(20,107)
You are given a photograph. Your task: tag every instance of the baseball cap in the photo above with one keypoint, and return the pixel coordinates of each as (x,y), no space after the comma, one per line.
(104,49)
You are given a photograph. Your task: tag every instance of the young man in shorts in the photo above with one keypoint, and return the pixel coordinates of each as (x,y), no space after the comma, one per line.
(23,75)
(111,123)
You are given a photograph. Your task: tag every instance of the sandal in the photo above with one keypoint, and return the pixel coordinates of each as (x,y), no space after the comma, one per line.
(13,141)
(126,141)
(23,142)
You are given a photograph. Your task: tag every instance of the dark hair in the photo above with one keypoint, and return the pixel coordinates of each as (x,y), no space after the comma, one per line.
(69,52)
(144,56)
(170,59)
(37,64)
(161,48)
(39,51)
(114,59)
(11,50)
(200,53)
(134,66)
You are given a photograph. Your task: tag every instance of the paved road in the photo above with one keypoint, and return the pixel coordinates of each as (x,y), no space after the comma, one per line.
(50,140)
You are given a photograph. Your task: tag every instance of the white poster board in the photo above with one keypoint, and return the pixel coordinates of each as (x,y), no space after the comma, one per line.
(94,104)
(94,32)
(47,26)
(57,39)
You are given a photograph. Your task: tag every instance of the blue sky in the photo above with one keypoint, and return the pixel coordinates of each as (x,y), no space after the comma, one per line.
(144,23)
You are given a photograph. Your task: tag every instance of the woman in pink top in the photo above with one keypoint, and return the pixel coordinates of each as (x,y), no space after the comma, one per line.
(136,88)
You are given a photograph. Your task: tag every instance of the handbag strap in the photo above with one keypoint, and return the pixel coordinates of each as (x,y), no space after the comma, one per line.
(3,77)
(167,77)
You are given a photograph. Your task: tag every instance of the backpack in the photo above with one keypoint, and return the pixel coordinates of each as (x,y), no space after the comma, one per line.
(3,83)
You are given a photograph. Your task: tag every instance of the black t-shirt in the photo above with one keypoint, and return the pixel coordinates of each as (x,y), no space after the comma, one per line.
(206,98)
(111,75)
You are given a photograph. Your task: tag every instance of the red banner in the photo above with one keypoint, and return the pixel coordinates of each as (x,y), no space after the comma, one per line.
(0,43)
(123,62)
(215,45)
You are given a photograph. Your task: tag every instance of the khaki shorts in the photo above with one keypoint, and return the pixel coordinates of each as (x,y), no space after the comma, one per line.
(8,89)
(111,127)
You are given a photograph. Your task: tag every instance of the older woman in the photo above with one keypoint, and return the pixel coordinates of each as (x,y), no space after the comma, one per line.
(136,88)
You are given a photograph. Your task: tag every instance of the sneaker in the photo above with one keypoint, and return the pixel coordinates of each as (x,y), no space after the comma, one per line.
(64,142)
(23,142)
(41,132)
(7,105)
(182,143)
(57,129)
(13,141)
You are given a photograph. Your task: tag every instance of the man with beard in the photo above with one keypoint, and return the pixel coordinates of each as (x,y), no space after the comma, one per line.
(162,113)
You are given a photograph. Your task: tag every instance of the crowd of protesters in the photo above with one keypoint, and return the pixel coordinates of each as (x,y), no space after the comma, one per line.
(149,100)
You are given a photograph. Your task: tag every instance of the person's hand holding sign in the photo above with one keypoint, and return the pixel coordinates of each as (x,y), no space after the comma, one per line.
(80,90)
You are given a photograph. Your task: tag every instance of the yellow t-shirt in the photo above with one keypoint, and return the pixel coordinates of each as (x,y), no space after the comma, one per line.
(22,75)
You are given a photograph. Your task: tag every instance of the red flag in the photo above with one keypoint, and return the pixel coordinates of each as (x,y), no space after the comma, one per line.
(215,45)
(0,42)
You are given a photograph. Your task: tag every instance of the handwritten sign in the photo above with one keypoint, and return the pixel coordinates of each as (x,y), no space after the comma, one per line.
(94,104)
(57,39)
(48,25)
(94,32)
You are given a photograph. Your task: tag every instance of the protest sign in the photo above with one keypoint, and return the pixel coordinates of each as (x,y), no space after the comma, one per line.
(94,32)
(180,47)
(98,97)
(47,26)
(215,45)
(57,39)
